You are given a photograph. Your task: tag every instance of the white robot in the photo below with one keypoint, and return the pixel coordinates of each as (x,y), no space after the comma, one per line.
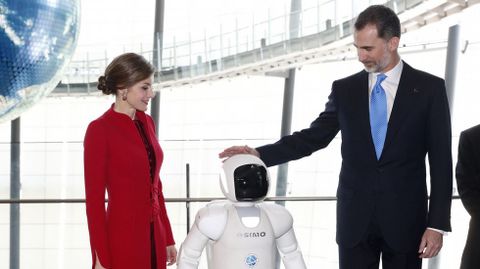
(242,232)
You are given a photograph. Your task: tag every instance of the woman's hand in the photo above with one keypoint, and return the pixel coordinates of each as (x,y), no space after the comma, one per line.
(171,255)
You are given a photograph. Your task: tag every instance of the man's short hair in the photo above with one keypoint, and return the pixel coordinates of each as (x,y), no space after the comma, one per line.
(387,22)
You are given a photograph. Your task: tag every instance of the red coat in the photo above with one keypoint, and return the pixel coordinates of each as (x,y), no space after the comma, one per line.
(115,160)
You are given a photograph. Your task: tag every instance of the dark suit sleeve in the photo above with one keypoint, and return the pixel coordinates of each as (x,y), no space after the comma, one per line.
(439,146)
(303,143)
(467,174)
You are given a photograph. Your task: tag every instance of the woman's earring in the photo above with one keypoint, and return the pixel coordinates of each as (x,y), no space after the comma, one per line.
(124,96)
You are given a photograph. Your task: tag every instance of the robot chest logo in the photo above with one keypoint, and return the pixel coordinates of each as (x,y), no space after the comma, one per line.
(251,260)
(251,234)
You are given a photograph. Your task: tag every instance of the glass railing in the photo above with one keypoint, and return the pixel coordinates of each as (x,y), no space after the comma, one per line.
(54,234)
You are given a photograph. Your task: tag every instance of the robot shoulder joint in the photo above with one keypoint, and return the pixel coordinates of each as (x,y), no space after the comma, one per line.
(280,218)
(211,220)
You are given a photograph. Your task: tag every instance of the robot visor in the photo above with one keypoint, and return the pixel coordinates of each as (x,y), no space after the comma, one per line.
(251,182)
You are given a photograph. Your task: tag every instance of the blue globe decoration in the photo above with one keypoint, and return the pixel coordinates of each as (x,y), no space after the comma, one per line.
(251,260)
(37,40)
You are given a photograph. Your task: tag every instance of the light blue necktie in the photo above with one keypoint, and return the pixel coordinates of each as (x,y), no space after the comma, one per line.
(378,115)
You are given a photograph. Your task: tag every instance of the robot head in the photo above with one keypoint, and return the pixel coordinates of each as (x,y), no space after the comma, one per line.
(244,179)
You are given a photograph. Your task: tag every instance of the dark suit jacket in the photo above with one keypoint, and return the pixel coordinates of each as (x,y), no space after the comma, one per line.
(393,190)
(468,181)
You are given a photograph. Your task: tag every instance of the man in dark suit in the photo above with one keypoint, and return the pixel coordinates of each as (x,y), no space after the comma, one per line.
(468,181)
(382,206)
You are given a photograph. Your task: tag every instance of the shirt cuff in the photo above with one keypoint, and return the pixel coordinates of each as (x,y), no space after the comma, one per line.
(437,230)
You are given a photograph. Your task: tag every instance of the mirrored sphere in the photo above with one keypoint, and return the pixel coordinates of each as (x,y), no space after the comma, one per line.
(37,40)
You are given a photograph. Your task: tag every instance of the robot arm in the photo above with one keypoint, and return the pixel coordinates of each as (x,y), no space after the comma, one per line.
(191,249)
(282,224)
(209,224)
(290,252)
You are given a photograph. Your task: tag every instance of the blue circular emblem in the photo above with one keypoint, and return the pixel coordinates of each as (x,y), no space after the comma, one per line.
(251,260)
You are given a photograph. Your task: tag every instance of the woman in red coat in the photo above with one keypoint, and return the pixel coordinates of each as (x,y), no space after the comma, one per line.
(123,157)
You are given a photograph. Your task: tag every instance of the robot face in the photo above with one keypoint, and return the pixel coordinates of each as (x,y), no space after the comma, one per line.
(250,182)
(245,178)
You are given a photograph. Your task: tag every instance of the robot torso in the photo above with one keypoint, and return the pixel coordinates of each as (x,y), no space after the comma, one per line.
(241,247)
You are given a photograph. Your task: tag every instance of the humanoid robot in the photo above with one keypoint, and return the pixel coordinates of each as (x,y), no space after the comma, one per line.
(242,232)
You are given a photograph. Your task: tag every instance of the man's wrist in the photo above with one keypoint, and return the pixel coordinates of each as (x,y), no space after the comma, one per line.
(437,230)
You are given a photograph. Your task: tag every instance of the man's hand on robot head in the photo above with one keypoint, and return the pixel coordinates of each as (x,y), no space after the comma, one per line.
(229,152)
